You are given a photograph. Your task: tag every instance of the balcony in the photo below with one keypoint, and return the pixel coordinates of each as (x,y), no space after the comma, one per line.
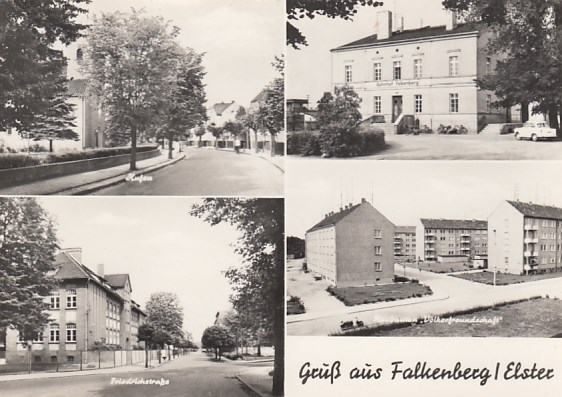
(530,240)
(530,253)
(465,248)
(531,227)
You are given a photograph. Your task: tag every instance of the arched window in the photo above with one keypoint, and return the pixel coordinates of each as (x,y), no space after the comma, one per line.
(71,332)
(79,54)
(54,333)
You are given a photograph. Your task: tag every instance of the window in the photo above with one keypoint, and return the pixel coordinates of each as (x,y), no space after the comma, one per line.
(488,66)
(489,103)
(79,54)
(377,233)
(417,68)
(378,267)
(377,107)
(348,74)
(378,250)
(454,103)
(55,300)
(71,332)
(377,72)
(453,66)
(418,104)
(397,70)
(54,333)
(70,298)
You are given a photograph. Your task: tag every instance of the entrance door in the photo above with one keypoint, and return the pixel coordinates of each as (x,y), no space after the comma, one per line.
(396,107)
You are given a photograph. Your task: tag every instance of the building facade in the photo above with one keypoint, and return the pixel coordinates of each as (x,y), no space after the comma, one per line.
(525,238)
(405,243)
(442,239)
(87,310)
(352,247)
(428,73)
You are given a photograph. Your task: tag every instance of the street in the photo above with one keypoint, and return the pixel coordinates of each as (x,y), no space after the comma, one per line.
(208,172)
(191,375)
(449,294)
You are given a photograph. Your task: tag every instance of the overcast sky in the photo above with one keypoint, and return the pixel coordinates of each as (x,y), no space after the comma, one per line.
(309,69)
(406,191)
(240,39)
(158,243)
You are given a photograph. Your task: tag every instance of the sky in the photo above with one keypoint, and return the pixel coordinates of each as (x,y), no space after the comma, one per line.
(239,38)
(160,245)
(309,69)
(406,191)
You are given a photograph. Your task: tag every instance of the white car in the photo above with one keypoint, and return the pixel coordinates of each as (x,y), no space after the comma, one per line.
(535,131)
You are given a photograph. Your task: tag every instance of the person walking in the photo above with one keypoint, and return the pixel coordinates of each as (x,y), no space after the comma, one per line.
(237,145)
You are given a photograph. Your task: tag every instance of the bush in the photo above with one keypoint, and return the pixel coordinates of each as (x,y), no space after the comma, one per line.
(295,305)
(95,153)
(8,161)
(304,144)
(343,140)
(37,148)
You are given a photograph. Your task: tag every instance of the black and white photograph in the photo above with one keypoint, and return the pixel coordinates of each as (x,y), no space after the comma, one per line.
(436,252)
(141,296)
(141,97)
(424,80)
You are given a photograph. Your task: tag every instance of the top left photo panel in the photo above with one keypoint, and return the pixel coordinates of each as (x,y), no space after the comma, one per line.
(142,97)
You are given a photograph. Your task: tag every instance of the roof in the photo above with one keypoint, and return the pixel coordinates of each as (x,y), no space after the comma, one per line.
(221,107)
(405,229)
(260,98)
(412,34)
(334,218)
(537,210)
(77,87)
(454,224)
(117,280)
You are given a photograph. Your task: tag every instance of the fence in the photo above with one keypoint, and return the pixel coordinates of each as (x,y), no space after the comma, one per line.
(82,360)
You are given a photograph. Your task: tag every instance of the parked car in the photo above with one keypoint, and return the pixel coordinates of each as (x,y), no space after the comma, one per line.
(535,131)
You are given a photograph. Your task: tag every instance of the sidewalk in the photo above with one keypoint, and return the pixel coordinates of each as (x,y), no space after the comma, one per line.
(278,160)
(258,380)
(88,182)
(66,374)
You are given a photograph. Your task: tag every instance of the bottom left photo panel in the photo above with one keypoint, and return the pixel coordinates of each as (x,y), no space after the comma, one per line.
(146,296)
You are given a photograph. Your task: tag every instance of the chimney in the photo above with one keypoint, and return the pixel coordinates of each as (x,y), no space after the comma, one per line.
(363,201)
(384,25)
(398,23)
(451,20)
(101,270)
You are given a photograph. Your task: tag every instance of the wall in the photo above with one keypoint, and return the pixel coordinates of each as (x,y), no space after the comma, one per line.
(321,252)
(505,245)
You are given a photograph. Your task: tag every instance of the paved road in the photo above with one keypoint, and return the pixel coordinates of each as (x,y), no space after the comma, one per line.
(192,375)
(449,294)
(209,172)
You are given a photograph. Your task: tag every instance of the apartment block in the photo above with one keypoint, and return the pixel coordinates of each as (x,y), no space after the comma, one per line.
(405,243)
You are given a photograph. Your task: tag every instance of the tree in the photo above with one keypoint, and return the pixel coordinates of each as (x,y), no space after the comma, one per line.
(259,285)
(217,338)
(187,107)
(27,247)
(233,127)
(251,121)
(272,113)
(200,131)
(528,38)
(145,333)
(216,132)
(29,66)
(165,315)
(299,9)
(131,61)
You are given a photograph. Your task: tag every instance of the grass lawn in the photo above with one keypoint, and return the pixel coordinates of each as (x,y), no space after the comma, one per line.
(437,267)
(538,318)
(487,277)
(352,296)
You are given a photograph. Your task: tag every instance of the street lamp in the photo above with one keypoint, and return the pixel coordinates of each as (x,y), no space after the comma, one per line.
(495,255)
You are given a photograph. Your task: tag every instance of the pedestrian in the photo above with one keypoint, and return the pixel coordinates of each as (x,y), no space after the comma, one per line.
(237,146)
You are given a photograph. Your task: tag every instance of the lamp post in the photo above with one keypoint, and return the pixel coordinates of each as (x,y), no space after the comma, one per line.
(495,255)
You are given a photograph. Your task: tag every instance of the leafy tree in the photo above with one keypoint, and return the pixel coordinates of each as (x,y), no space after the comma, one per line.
(296,247)
(131,62)
(200,131)
(217,338)
(527,35)
(29,66)
(187,107)
(146,334)
(233,127)
(27,246)
(165,315)
(272,113)
(259,285)
(299,9)
(251,121)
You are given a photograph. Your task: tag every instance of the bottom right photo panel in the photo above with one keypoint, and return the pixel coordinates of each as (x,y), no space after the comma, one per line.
(380,256)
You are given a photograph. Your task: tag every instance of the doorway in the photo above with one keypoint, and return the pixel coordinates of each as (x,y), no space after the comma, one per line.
(396,107)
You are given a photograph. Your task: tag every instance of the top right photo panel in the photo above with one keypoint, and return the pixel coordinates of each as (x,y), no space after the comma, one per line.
(424,80)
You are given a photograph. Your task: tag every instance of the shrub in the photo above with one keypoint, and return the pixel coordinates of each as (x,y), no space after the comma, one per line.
(95,153)
(304,144)
(8,161)
(36,148)
(295,305)
(340,139)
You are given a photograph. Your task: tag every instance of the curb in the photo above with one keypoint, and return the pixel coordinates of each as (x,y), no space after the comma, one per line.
(250,387)
(91,187)
(255,155)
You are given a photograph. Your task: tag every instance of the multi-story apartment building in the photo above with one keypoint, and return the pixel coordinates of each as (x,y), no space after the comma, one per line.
(352,247)
(429,73)
(87,309)
(525,238)
(405,243)
(441,238)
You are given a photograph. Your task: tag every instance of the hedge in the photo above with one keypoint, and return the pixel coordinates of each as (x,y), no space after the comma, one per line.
(10,160)
(304,144)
